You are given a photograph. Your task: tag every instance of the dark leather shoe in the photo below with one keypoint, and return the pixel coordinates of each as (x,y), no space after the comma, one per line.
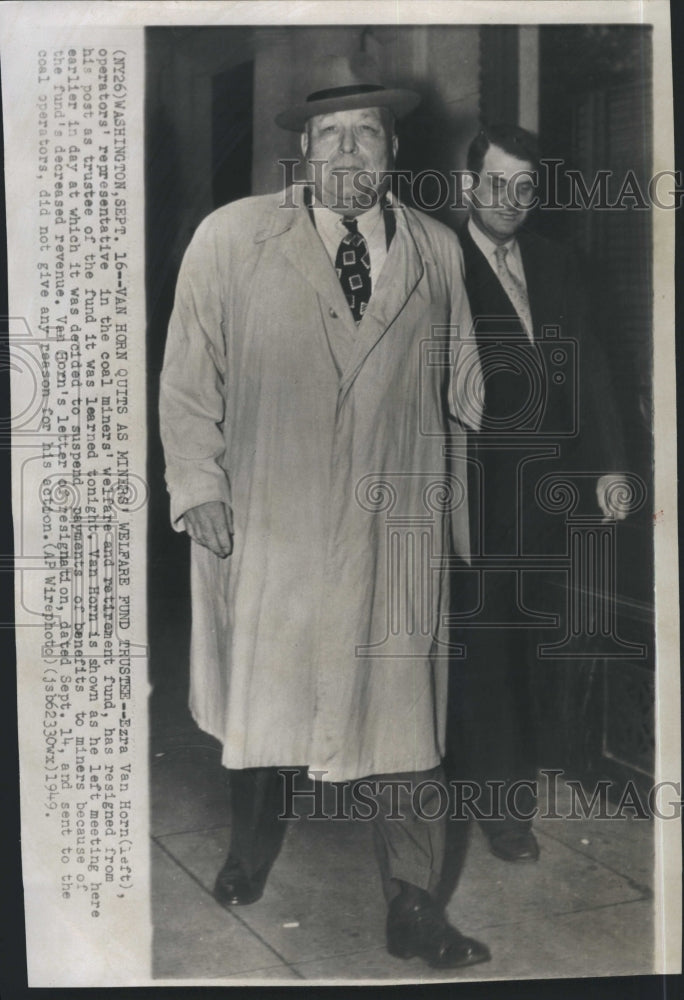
(234,887)
(512,845)
(417,927)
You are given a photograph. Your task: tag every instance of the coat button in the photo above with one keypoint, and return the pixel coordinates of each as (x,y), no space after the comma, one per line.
(333,313)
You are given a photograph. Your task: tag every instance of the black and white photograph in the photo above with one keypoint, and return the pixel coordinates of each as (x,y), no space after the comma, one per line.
(344,493)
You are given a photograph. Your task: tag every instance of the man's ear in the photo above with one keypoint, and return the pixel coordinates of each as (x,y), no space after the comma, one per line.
(304,142)
(471,182)
(395,147)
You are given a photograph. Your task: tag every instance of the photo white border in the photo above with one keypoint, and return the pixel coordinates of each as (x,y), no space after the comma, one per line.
(17,19)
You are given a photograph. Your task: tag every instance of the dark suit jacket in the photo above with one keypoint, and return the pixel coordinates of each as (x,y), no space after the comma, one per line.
(557,392)
(576,385)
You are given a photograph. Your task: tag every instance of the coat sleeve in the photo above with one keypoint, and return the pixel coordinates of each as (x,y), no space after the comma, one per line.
(600,443)
(465,387)
(191,405)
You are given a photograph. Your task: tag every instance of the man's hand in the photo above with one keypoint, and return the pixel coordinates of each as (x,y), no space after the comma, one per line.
(613,493)
(211,524)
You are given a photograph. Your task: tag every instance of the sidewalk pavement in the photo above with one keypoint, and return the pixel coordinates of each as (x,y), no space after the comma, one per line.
(584,909)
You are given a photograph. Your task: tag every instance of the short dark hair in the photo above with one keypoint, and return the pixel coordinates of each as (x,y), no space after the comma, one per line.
(512,139)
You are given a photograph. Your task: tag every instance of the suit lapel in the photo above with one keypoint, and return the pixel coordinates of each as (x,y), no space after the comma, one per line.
(535,279)
(489,303)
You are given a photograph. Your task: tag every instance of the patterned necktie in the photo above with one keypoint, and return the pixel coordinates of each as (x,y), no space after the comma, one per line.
(352,264)
(514,289)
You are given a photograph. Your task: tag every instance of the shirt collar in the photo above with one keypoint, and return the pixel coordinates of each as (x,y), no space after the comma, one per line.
(330,222)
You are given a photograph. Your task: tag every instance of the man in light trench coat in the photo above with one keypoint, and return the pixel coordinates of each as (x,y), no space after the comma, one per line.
(319,341)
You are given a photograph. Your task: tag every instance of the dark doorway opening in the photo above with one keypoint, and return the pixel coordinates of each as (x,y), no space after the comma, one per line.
(597,717)
(232,104)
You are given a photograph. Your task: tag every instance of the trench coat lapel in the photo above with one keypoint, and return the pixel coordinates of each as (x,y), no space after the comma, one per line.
(399,279)
(296,238)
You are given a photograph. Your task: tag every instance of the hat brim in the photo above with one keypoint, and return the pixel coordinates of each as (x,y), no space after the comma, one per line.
(399,101)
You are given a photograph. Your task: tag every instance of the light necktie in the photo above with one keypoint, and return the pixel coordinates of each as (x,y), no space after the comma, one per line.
(352,264)
(514,289)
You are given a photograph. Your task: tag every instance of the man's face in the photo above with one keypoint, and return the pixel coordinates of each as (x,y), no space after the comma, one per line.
(355,147)
(502,200)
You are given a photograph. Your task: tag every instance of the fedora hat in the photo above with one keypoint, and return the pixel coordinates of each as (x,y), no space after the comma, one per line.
(342,83)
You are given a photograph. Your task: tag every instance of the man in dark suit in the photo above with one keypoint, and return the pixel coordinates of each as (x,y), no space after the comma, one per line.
(532,323)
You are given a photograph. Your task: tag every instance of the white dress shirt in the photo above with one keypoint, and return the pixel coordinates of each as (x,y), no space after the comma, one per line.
(371,225)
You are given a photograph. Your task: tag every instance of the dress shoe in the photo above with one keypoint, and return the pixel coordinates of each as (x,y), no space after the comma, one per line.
(515,845)
(234,887)
(417,927)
